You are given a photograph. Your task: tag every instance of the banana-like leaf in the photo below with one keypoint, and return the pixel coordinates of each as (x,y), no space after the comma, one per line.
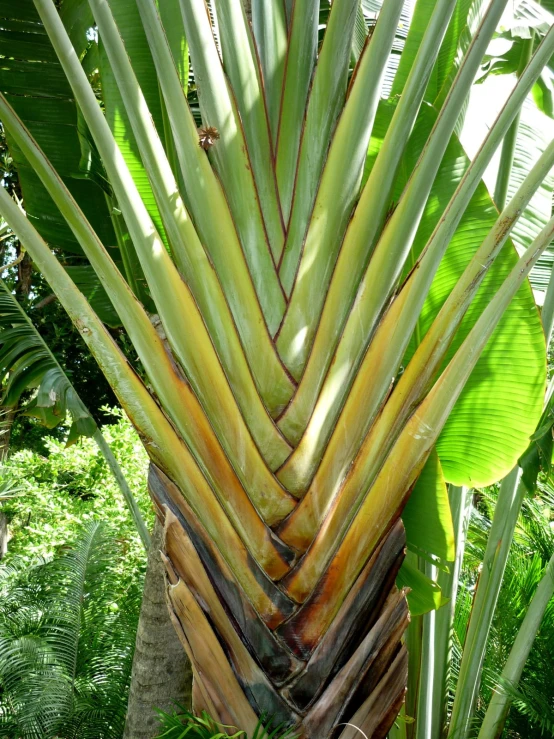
(470,436)
(427,518)
(529,20)
(48,108)
(130,27)
(32,78)
(424,594)
(88,283)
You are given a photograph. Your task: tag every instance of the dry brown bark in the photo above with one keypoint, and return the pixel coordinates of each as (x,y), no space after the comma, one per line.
(355,673)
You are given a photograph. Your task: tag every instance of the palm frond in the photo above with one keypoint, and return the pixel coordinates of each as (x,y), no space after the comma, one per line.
(65,655)
(531,550)
(27,363)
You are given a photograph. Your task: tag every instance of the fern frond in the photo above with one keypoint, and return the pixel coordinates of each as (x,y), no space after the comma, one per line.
(65,655)
(182,723)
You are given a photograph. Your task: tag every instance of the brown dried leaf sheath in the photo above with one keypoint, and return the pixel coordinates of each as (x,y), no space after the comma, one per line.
(244,668)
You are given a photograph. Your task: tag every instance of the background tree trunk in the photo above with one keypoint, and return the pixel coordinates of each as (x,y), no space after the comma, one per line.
(161,673)
(7,416)
(3,535)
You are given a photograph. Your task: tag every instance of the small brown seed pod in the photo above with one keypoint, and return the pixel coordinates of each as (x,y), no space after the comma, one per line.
(207,137)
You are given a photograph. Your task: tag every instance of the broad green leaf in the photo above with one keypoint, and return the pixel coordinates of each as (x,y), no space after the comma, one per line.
(497,411)
(427,517)
(89,284)
(36,87)
(461,29)
(130,27)
(78,20)
(424,595)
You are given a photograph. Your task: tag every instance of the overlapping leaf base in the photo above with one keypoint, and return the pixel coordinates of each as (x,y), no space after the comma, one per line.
(355,673)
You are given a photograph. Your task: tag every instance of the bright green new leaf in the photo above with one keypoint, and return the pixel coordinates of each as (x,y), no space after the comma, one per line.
(427,517)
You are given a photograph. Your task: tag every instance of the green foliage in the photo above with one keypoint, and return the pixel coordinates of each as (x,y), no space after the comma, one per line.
(67,630)
(530,22)
(8,487)
(182,723)
(533,706)
(27,362)
(74,485)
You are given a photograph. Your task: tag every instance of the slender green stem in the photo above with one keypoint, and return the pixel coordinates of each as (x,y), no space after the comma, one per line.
(506,512)
(117,472)
(547,312)
(436,630)
(509,143)
(460,505)
(414,641)
(499,706)
(188,252)
(424,717)
(506,163)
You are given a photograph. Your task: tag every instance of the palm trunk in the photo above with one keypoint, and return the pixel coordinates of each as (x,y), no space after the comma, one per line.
(246,666)
(161,675)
